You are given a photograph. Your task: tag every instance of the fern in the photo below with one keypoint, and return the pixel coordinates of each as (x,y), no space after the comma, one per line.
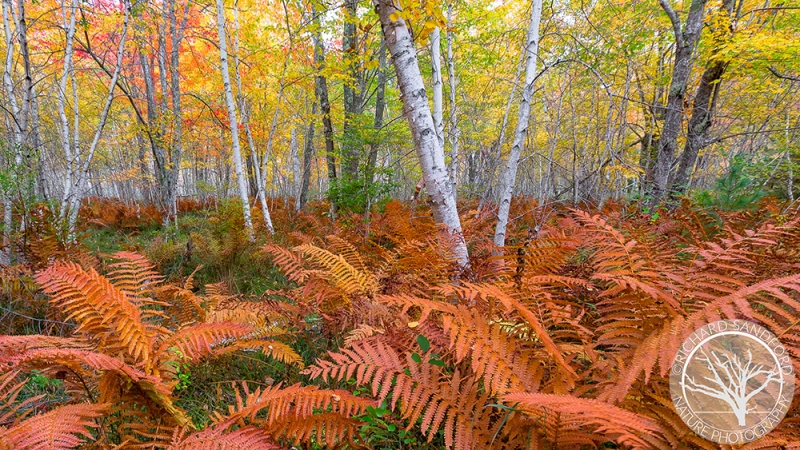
(64,428)
(102,311)
(420,390)
(571,421)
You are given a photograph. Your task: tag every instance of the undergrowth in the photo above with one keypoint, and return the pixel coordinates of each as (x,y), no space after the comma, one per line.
(353,334)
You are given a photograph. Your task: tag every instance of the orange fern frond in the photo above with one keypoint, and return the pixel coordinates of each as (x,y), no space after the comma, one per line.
(290,262)
(420,390)
(344,275)
(217,438)
(64,428)
(102,311)
(274,349)
(133,273)
(582,421)
(299,412)
(200,340)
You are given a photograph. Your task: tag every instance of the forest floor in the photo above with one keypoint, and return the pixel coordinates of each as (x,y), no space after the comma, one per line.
(574,298)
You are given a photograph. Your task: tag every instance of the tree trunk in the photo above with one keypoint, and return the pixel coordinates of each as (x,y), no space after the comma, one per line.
(702,113)
(81,178)
(380,106)
(510,175)
(308,152)
(66,141)
(436,76)
(257,174)
(351,96)
(423,131)
(234,122)
(322,94)
(685,43)
(455,133)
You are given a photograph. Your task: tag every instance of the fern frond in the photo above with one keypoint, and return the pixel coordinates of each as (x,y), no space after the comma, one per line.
(420,390)
(64,428)
(217,438)
(299,412)
(10,388)
(349,279)
(273,349)
(290,262)
(200,340)
(133,273)
(77,359)
(183,307)
(495,356)
(361,332)
(101,310)
(586,421)
(347,251)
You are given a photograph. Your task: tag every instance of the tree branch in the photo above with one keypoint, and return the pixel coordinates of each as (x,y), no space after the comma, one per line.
(782,76)
(673,17)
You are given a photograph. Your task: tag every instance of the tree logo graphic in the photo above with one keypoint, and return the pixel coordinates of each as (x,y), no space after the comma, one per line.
(732,381)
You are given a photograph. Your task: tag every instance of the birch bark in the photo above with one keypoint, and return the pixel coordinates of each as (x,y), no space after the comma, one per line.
(81,178)
(455,133)
(423,131)
(510,175)
(237,153)
(262,197)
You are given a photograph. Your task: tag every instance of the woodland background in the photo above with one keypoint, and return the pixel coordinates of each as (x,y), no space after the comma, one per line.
(392,225)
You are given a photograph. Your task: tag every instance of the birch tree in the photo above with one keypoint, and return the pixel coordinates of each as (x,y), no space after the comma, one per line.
(510,174)
(243,109)
(17,128)
(436,76)
(423,130)
(82,160)
(234,122)
(451,71)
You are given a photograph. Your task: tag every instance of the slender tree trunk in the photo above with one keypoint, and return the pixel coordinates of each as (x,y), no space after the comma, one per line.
(423,131)
(81,178)
(17,131)
(436,76)
(308,153)
(685,43)
(262,198)
(322,94)
(510,174)
(70,13)
(380,106)
(455,133)
(237,153)
(351,96)
(176,32)
(498,145)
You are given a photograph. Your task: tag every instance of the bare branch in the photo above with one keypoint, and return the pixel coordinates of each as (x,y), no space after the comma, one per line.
(673,17)
(782,76)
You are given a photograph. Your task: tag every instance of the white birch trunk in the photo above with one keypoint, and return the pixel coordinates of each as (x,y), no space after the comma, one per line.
(436,75)
(455,133)
(82,176)
(15,116)
(423,131)
(295,161)
(70,14)
(237,154)
(262,198)
(509,176)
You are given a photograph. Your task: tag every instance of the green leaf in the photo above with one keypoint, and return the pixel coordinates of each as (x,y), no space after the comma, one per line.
(423,342)
(415,356)
(436,362)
